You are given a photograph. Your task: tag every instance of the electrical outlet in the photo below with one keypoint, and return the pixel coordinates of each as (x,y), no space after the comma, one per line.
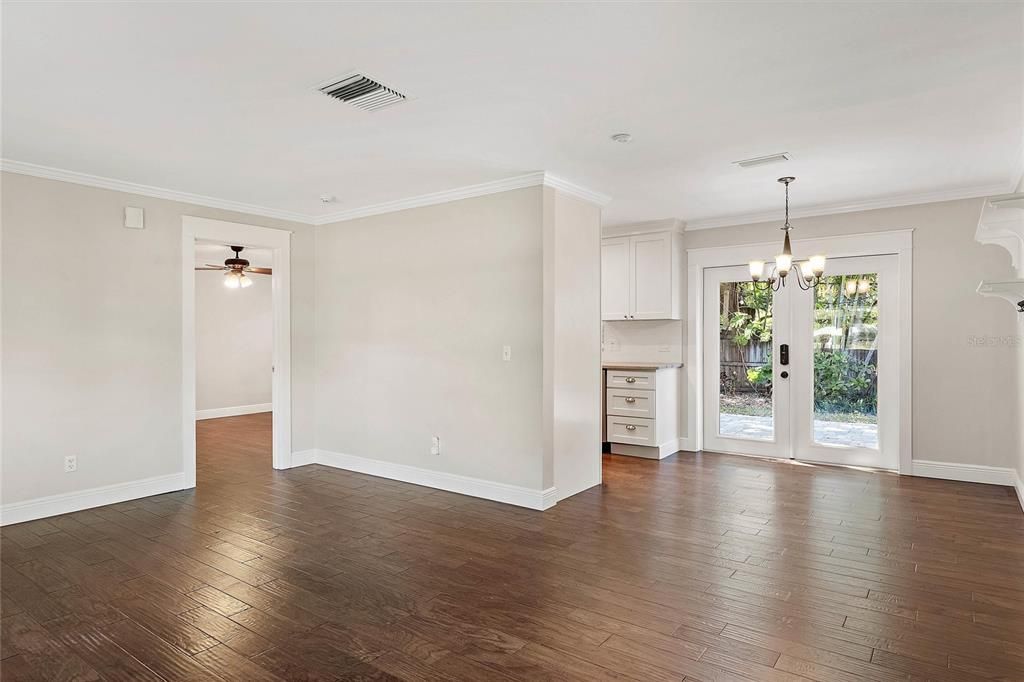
(435,445)
(70,463)
(506,353)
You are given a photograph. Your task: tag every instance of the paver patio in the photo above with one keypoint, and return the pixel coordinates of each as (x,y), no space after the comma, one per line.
(829,432)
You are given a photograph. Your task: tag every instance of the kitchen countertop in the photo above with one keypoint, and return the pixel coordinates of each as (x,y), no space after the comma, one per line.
(640,365)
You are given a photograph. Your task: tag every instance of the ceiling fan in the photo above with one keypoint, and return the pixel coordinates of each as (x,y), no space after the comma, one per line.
(235,270)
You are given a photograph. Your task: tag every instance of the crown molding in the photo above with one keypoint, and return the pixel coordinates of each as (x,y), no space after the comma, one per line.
(536,179)
(434,198)
(23,168)
(974,192)
(575,190)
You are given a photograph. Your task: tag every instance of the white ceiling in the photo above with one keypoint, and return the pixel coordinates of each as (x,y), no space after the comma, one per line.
(876,102)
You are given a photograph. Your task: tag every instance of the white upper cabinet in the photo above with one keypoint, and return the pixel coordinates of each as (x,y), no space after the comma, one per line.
(651,264)
(615,258)
(640,277)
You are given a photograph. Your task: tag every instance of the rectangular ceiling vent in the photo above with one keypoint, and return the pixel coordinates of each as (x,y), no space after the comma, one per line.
(362,92)
(763,160)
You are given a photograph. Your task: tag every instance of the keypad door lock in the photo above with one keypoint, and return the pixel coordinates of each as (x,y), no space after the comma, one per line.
(784,354)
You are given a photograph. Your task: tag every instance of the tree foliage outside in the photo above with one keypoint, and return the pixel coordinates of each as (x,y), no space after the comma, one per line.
(845,361)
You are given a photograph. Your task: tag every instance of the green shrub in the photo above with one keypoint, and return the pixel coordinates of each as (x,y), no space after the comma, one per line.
(761,377)
(842,383)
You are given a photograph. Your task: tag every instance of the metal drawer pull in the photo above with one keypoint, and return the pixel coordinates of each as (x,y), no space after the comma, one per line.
(630,427)
(630,380)
(630,400)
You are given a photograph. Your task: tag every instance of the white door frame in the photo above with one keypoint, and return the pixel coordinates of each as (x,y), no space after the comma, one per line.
(279,241)
(895,242)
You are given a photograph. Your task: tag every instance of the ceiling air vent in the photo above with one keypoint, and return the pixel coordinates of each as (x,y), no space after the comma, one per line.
(362,92)
(762,160)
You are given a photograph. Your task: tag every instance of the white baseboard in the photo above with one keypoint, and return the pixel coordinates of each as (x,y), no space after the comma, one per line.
(42,507)
(972,473)
(236,411)
(303,457)
(1019,486)
(465,485)
(687,444)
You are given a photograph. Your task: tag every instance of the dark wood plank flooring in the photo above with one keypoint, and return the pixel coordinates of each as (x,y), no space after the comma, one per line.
(710,568)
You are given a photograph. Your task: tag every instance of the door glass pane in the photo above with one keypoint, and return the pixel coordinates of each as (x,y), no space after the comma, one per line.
(745,362)
(846,361)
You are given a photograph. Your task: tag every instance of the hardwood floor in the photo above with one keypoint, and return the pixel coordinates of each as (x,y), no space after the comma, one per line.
(711,568)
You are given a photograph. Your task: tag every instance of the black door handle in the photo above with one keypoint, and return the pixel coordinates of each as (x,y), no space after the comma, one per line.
(784,354)
(784,375)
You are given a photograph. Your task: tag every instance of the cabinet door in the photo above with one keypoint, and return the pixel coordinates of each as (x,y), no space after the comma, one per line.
(651,268)
(615,278)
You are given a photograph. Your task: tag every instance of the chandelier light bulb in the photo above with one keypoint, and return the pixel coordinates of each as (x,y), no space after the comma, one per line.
(783,263)
(756,270)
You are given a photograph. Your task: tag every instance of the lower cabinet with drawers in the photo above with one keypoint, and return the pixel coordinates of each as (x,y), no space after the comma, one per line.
(642,411)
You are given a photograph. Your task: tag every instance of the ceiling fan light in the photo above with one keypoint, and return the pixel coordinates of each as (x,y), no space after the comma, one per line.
(244,281)
(234,279)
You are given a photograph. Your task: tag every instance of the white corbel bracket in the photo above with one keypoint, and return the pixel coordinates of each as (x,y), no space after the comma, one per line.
(1002,224)
(1012,291)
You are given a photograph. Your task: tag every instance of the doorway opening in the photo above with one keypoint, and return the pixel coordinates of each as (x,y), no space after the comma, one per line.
(244,423)
(234,358)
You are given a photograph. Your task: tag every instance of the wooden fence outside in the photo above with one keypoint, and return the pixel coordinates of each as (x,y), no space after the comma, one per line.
(736,360)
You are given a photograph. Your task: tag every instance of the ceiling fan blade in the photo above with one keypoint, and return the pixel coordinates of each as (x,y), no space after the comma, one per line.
(260,271)
(211,268)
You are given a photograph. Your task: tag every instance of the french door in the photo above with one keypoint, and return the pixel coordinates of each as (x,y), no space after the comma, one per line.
(810,375)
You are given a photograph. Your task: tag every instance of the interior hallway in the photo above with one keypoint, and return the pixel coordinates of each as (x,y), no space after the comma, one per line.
(697,567)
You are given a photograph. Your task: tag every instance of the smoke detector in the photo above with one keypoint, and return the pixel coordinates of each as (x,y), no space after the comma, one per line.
(622,138)
(763,160)
(327,198)
(362,92)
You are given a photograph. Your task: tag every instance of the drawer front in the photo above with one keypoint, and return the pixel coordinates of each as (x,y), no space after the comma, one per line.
(629,402)
(632,431)
(631,378)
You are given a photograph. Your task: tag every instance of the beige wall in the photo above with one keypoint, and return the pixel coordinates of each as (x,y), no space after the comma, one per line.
(965,402)
(413,309)
(234,342)
(92,336)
